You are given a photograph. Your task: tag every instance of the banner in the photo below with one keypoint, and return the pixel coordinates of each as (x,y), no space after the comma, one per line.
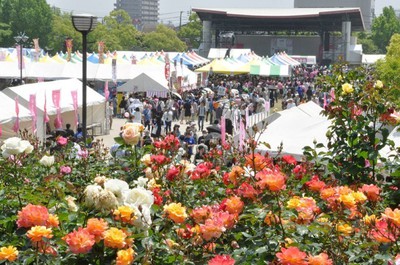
(56,95)
(242,135)
(32,108)
(114,70)
(223,130)
(1,131)
(74,95)
(325,102)
(332,92)
(45,116)
(106,91)
(247,117)
(167,68)
(101,52)
(267,106)
(68,45)
(16,124)
(37,49)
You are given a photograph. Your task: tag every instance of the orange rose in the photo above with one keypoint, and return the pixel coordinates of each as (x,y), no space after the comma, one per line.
(37,233)
(234,205)
(321,259)
(97,227)
(125,256)
(80,241)
(114,238)
(9,253)
(274,180)
(392,215)
(292,256)
(176,212)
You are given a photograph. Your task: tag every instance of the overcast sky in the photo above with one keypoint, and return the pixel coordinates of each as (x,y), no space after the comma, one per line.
(170,9)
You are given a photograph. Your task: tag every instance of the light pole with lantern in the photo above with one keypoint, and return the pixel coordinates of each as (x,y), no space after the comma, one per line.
(21,38)
(84,23)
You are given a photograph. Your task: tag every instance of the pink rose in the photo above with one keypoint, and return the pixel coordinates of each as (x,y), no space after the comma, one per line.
(65,170)
(62,140)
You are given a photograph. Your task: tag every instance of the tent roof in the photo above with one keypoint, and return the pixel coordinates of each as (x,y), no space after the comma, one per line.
(46,88)
(295,128)
(145,82)
(7,113)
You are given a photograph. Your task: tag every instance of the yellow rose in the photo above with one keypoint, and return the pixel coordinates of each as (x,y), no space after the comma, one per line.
(378,84)
(347,89)
(131,133)
(344,229)
(176,212)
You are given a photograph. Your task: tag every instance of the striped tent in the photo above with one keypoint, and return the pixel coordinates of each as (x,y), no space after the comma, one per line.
(270,70)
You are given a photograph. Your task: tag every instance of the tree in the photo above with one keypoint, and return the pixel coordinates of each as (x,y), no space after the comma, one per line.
(62,29)
(117,32)
(383,28)
(192,31)
(163,38)
(367,43)
(34,17)
(389,68)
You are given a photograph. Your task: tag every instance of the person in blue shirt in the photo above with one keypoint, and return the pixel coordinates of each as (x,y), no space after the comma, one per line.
(189,143)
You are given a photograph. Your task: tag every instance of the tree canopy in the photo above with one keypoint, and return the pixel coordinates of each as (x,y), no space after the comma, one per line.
(383,28)
(389,68)
(164,38)
(192,31)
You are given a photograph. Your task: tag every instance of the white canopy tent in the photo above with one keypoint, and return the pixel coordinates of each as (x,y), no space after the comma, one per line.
(151,83)
(95,102)
(8,117)
(295,128)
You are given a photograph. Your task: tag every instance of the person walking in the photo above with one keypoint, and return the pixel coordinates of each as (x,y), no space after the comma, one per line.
(201,115)
(167,117)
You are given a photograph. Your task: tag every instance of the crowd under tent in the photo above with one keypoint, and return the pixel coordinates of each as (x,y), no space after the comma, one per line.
(153,85)
(44,93)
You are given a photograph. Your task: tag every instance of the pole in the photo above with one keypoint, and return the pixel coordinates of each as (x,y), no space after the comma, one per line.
(180,20)
(20,63)
(84,67)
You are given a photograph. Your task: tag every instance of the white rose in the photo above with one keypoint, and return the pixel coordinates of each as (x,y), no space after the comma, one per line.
(15,146)
(141,182)
(117,187)
(107,201)
(139,197)
(71,203)
(47,161)
(143,218)
(92,194)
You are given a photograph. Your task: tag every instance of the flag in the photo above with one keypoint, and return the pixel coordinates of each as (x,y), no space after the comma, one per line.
(242,135)
(37,48)
(106,91)
(247,116)
(223,129)
(45,116)
(68,45)
(1,131)
(325,102)
(16,124)
(32,108)
(56,95)
(267,106)
(74,94)
(114,70)
(101,52)
(332,92)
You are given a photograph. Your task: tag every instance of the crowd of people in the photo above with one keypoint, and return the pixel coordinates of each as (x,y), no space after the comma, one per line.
(224,96)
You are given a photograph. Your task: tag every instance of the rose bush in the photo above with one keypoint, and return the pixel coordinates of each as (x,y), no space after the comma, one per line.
(236,207)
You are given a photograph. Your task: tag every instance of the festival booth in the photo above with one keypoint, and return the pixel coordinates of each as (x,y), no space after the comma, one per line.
(9,122)
(56,98)
(294,128)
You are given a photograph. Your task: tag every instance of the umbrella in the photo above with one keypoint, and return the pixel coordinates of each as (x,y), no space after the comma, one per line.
(212,136)
(214,128)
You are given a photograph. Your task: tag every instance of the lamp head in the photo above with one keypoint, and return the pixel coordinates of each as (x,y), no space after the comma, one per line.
(84,22)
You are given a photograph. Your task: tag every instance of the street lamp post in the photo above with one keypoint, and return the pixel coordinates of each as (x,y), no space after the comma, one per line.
(84,23)
(21,38)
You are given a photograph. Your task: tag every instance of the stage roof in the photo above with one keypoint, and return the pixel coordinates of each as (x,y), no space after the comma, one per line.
(277,19)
